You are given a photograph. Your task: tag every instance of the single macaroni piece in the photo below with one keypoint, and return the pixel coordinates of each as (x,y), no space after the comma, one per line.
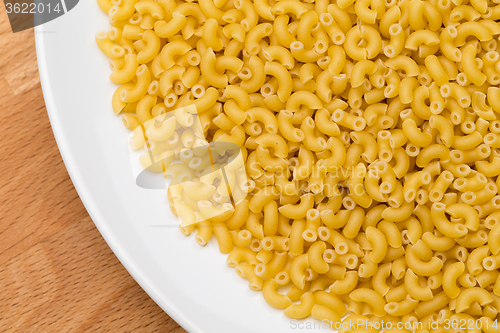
(345,151)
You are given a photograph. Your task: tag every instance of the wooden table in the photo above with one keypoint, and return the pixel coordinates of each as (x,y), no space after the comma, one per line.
(57,274)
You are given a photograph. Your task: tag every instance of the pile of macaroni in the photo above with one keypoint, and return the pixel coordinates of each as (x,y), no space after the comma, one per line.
(369,132)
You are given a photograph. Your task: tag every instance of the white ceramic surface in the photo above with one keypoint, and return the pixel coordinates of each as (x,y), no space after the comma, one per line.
(192,284)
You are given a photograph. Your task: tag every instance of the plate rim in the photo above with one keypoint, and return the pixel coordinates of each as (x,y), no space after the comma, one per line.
(86,197)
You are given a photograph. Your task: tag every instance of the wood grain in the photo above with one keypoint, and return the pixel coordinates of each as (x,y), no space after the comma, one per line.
(57,273)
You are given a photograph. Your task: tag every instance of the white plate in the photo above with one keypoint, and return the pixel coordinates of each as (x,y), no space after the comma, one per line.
(191,283)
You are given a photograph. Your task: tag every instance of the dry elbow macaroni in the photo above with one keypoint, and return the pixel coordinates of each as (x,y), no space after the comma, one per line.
(357,145)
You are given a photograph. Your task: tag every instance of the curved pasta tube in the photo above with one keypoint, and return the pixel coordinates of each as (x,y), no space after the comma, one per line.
(346,285)
(475,259)
(348,120)
(205,102)
(400,62)
(123,11)
(150,7)
(443,225)
(305,165)
(274,299)
(324,82)
(239,216)
(209,8)
(332,28)
(424,268)
(190,9)
(364,12)
(396,43)
(337,59)
(433,151)
(299,210)
(281,54)
(415,135)
(284,37)
(322,312)
(297,270)
(208,72)
(267,118)
(105,5)
(372,186)
(262,198)
(167,30)
(227,62)
(370,297)
(246,271)
(373,112)
(324,124)
(469,65)
(494,240)
(287,129)
(436,70)
(140,88)
(284,78)
(127,73)
(359,70)
(414,182)
(316,261)
(355,35)
(297,9)
(274,266)
(338,157)
(258,77)
(152,48)
(447,44)
(356,187)
(391,16)
(475,29)
(379,243)
(379,279)
(302,54)
(493,95)
(461,210)
(241,254)
(305,27)
(353,223)
(367,141)
(311,141)
(303,98)
(420,37)
(415,290)
(274,141)
(255,35)
(391,232)
(185,213)
(445,128)
(303,309)
(450,276)
(215,214)
(210,35)
(440,186)
(398,214)
(331,301)
(470,295)
(401,308)
(168,77)
(162,131)
(481,108)
(234,30)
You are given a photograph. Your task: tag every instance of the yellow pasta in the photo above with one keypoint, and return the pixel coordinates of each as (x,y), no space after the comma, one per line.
(347,151)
